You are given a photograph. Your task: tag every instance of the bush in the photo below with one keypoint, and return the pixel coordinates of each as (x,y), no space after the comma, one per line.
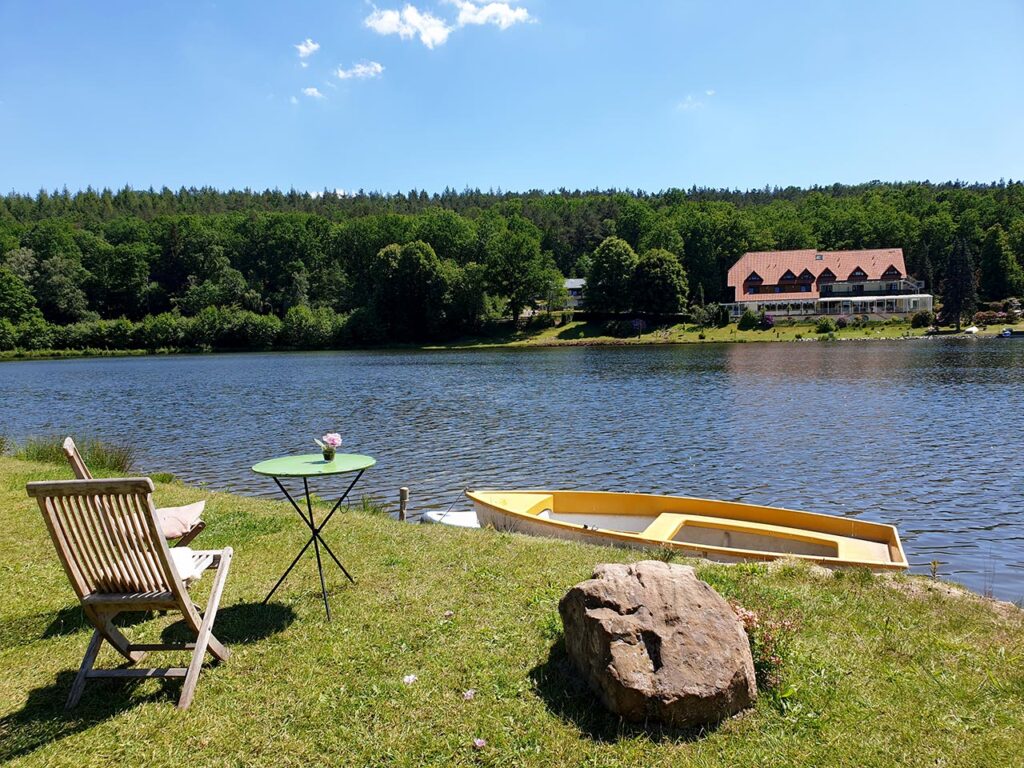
(989,318)
(799,336)
(765,322)
(361,327)
(8,335)
(841,322)
(305,328)
(98,455)
(35,333)
(825,325)
(748,321)
(206,328)
(923,318)
(164,331)
(248,330)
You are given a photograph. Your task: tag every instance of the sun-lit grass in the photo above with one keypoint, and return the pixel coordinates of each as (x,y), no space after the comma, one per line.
(876,676)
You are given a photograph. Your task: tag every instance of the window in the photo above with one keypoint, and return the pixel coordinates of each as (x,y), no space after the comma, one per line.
(858,289)
(819,257)
(805,289)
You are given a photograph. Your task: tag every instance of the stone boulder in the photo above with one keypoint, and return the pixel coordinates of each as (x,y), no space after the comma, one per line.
(655,642)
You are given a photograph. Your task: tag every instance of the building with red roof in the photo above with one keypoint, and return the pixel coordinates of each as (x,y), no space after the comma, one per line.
(812,282)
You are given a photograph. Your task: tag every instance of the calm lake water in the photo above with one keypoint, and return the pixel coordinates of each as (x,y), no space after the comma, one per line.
(926,435)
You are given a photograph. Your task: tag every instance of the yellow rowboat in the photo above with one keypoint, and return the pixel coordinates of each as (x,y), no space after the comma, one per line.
(716,530)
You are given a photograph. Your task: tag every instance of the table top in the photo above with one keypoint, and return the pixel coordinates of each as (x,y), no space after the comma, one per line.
(313,464)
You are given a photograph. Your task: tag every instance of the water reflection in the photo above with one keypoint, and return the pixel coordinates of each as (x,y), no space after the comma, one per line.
(922,434)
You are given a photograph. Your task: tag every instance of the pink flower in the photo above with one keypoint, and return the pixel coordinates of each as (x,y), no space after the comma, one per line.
(409,679)
(449,614)
(332,439)
(479,743)
(469,695)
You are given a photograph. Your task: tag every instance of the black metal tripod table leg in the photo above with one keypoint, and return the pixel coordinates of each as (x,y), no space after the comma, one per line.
(315,538)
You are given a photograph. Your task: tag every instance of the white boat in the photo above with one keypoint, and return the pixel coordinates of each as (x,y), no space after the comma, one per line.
(455,518)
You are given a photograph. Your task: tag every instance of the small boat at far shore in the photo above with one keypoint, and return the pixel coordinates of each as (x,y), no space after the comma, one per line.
(716,530)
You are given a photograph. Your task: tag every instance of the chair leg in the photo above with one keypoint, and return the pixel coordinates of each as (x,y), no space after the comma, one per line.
(194,531)
(103,623)
(83,671)
(204,636)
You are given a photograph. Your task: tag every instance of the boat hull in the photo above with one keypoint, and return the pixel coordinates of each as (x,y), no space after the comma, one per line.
(713,530)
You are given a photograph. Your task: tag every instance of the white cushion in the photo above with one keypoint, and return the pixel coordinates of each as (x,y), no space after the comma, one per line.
(189,564)
(175,522)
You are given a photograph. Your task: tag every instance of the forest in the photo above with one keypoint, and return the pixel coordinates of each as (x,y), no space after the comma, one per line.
(202,268)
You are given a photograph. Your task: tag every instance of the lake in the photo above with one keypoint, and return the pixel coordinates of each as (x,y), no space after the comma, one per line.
(922,434)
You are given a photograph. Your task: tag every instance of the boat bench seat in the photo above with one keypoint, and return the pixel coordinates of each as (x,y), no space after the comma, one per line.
(669,526)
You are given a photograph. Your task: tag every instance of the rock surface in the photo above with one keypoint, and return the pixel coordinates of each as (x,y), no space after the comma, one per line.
(653,641)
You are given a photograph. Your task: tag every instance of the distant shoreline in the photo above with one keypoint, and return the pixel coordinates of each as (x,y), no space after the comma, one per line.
(578,334)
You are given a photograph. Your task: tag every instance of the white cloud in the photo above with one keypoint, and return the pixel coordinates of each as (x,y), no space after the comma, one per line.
(709,92)
(502,15)
(361,71)
(306,49)
(689,104)
(408,23)
(313,93)
(293,100)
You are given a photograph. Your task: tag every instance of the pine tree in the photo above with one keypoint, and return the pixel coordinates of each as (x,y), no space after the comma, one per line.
(1000,274)
(960,284)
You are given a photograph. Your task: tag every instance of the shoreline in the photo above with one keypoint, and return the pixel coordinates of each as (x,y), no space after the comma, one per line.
(573,334)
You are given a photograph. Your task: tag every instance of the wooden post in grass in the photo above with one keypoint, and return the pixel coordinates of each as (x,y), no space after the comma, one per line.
(403,503)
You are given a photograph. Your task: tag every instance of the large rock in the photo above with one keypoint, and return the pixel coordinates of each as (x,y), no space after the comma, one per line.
(653,641)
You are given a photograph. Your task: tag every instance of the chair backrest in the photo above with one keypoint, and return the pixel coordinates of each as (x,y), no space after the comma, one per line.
(108,536)
(75,458)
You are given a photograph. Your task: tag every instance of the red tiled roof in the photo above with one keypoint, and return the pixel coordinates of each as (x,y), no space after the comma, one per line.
(771,265)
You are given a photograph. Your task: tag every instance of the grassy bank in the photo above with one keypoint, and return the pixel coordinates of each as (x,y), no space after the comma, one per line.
(582,333)
(878,675)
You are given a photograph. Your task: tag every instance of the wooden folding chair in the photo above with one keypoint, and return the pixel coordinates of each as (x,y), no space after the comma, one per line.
(181,523)
(109,540)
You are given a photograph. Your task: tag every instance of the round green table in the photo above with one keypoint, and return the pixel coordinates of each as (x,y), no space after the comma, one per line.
(307,466)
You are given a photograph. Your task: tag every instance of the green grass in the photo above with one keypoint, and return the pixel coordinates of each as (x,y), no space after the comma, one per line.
(876,676)
(101,456)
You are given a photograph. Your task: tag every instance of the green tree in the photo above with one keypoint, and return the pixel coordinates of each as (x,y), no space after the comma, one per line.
(659,283)
(1000,276)
(960,285)
(748,320)
(610,279)
(16,301)
(517,268)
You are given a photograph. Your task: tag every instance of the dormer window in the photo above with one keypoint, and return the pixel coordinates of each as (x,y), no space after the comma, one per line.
(891,273)
(858,274)
(827,276)
(750,285)
(806,276)
(787,277)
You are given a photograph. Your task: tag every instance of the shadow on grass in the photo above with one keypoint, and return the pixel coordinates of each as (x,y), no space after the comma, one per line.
(585,331)
(240,624)
(568,697)
(43,719)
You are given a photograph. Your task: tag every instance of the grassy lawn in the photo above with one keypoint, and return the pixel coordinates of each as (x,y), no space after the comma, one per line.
(877,676)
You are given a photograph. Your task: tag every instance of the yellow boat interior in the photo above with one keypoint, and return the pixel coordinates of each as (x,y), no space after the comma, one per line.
(717,527)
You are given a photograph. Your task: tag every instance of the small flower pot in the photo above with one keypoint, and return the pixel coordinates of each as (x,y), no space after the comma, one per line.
(328,454)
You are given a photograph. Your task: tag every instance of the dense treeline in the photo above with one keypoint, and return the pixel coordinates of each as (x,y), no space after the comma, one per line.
(369,268)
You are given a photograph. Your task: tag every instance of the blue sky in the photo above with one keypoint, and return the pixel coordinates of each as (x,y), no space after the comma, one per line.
(527,94)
